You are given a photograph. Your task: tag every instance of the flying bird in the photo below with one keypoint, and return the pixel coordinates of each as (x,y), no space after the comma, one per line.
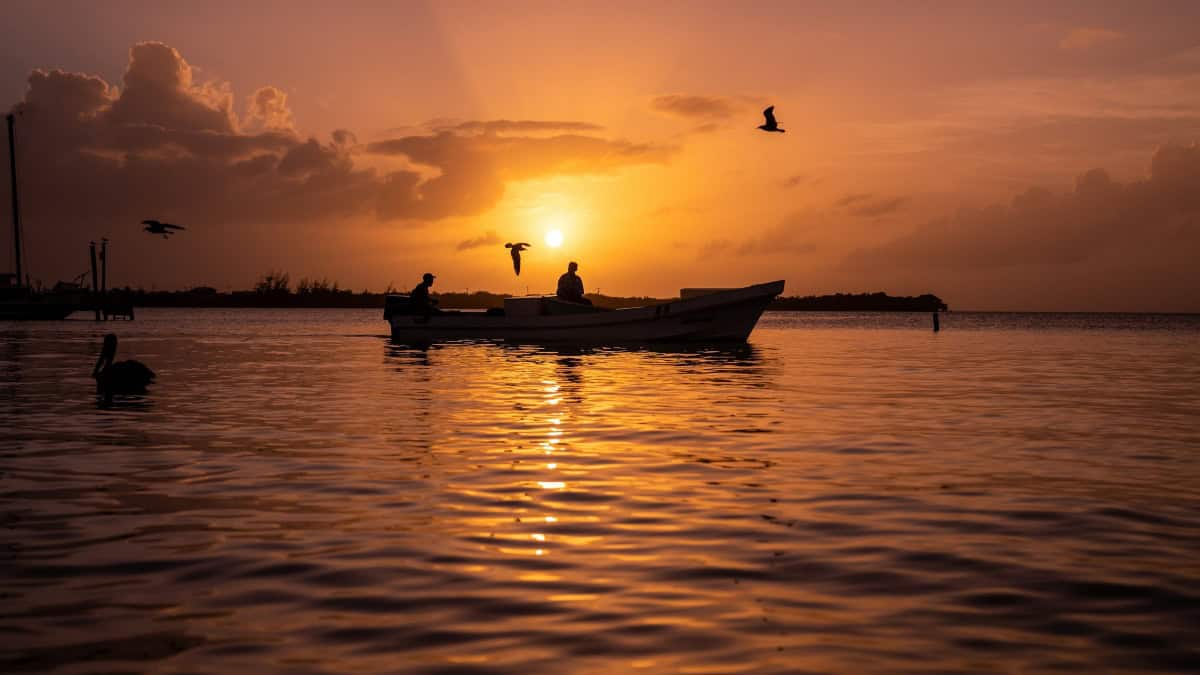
(771,124)
(165,229)
(122,377)
(516,255)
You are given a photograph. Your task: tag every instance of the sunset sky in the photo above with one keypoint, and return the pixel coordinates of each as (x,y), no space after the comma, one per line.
(1007,155)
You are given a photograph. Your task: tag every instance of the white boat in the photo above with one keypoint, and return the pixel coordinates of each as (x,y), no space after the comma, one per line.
(700,315)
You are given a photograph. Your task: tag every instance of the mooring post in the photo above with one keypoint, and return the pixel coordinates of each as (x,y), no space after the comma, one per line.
(104,277)
(16,209)
(95,281)
(936,325)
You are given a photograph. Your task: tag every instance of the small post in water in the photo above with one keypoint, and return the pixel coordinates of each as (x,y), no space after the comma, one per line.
(936,325)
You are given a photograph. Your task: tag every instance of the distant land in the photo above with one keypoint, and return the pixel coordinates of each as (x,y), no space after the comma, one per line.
(275,290)
(861,302)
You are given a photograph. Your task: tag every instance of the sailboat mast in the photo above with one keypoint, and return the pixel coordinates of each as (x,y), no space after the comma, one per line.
(12,163)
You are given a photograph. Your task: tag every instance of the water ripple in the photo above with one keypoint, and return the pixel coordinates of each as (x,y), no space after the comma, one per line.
(849,493)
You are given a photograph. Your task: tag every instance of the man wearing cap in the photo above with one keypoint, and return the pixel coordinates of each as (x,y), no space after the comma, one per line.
(419,299)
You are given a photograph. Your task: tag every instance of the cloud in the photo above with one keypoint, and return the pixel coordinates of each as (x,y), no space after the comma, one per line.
(852,199)
(867,205)
(268,106)
(515,126)
(676,210)
(781,238)
(487,239)
(474,169)
(798,180)
(344,137)
(693,106)
(1084,38)
(164,146)
(97,158)
(775,241)
(713,248)
(159,91)
(1137,240)
(879,207)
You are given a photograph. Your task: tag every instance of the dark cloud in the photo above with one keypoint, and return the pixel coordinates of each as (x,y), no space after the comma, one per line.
(94,157)
(487,239)
(344,137)
(164,146)
(698,107)
(1122,238)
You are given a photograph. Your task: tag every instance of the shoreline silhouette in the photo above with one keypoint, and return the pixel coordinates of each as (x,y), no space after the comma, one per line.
(276,293)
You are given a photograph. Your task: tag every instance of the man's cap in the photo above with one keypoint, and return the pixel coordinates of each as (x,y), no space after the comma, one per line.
(427,275)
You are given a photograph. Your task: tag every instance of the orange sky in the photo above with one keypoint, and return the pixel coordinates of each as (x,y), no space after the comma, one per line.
(1003,157)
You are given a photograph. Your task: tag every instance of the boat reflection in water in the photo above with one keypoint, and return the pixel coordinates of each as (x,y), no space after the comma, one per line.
(548,481)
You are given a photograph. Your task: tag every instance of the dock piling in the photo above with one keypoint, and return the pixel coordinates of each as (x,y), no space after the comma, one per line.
(96,303)
(104,275)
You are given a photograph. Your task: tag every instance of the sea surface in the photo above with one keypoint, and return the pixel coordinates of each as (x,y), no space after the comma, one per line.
(847,493)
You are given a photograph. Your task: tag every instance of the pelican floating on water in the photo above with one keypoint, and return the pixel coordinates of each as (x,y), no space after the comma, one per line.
(122,377)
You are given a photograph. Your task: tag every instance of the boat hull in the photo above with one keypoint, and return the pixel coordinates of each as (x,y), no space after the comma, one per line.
(724,316)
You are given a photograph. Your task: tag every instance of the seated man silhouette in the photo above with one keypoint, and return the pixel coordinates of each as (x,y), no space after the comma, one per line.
(419,299)
(570,286)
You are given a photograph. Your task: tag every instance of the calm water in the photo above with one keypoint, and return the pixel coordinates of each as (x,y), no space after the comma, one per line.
(849,493)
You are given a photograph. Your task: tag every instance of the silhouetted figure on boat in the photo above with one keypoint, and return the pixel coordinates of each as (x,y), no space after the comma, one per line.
(165,229)
(516,255)
(419,299)
(770,124)
(570,286)
(122,377)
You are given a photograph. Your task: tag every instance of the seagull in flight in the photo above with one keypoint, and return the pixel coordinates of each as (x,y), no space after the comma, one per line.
(516,255)
(165,229)
(771,124)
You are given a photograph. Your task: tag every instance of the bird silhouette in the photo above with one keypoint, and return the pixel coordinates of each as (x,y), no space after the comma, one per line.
(771,124)
(516,255)
(165,229)
(122,377)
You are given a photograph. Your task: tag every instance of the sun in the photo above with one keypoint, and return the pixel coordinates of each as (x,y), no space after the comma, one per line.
(554,238)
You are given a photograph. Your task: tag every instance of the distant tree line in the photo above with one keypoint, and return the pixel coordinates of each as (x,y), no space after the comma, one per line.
(274,289)
(861,302)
